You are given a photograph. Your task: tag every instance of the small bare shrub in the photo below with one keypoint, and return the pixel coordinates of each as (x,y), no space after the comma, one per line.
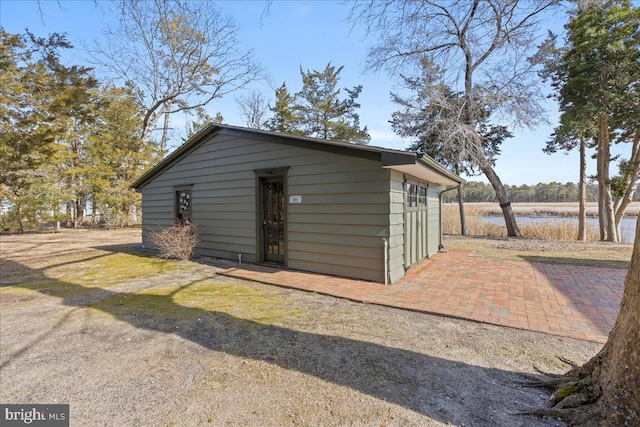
(176,242)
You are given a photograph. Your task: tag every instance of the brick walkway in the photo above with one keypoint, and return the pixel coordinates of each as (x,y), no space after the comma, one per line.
(571,301)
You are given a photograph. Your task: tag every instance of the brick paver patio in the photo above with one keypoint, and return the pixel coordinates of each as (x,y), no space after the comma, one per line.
(565,300)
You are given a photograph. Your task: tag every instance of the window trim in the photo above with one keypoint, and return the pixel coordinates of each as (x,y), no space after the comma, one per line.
(178,214)
(416,193)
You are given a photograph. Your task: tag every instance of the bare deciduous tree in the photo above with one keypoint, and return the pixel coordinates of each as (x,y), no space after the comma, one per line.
(430,116)
(484,45)
(253,109)
(175,55)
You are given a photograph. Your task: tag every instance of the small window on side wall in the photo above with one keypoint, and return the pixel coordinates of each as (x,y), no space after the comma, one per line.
(422,195)
(412,193)
(183,206)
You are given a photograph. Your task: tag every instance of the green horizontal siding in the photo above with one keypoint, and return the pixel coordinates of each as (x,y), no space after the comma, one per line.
(336,239)
(337,229)
(374,275)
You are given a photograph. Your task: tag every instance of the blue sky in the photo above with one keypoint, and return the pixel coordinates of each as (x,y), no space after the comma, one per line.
(305,34)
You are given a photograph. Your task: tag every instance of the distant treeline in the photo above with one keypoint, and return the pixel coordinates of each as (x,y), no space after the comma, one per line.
(553,192)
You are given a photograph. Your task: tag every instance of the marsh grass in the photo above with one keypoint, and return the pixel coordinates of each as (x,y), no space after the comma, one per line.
(477,225)
(566,209)
(556,229)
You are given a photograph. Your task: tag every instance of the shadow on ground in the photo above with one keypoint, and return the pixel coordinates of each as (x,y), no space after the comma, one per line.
(394,375)
(595,293)
(607,263)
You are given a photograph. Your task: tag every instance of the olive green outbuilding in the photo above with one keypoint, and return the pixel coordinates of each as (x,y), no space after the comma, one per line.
(307,204)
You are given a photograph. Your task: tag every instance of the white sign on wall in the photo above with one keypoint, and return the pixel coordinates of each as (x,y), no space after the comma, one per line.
(295,198)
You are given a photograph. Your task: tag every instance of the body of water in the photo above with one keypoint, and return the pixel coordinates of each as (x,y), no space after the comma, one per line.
(627,224)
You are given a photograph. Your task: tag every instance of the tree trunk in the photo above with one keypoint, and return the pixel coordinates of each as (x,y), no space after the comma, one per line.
(608,386)
(463,219)
(604,157)
(134,214)
(19,217)
(582,193)
(125,210)
(634,163)
(80,204)
(72,214)
(601,215)
(503,198)
(165,128)
(480,157)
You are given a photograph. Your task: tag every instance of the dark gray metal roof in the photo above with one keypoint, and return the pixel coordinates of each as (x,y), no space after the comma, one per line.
(419,165)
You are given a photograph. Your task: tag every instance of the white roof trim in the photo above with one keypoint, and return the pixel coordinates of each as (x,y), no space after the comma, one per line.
(424,173)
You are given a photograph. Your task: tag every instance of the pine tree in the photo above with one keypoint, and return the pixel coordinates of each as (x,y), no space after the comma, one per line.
(28,119)
(77,103)
(118,155)
(202,119)
(284,120)
(597,76)
(480,43)
(322,114)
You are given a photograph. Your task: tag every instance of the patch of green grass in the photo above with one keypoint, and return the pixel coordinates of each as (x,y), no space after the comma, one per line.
(243,300)
(75,278)
(194,304)
(113,269)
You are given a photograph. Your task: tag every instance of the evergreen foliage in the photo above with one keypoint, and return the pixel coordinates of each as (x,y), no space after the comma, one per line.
(67,141)
(429,117)
(117,155)
(318,111)
(284,119)
(202,119)
(323,114)
(597,80)
(29,106)
(483,45)
(552,192)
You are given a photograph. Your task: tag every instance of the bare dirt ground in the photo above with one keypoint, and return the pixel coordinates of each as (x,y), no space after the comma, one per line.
(130,340)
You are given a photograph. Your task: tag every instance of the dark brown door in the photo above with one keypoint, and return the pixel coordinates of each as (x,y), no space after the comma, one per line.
(273,219)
